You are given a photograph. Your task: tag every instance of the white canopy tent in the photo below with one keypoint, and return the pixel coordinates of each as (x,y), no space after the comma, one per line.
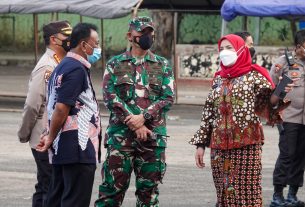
(101,9)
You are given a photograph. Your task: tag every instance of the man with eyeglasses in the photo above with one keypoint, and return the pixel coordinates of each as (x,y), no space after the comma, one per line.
(138,89)
(56,36)
(74,122)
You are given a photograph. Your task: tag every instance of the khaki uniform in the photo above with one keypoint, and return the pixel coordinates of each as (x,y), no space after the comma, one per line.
(294,113)
(289,167)
(34,114)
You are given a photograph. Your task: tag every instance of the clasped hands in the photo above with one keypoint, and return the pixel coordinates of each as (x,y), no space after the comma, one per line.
(136,124)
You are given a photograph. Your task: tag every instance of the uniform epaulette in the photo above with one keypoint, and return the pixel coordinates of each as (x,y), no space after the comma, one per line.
(57,59)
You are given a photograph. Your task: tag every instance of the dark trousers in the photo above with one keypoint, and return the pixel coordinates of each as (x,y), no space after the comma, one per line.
(71,185)
(289,167)
(44,172)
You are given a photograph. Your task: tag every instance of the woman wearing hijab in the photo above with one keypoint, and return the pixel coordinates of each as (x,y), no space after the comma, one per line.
(230,124)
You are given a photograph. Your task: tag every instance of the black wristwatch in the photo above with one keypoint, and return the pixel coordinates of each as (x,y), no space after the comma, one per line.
(147,116)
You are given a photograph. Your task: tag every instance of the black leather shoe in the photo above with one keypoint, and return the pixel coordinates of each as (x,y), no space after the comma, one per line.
(279,201)
(292,198)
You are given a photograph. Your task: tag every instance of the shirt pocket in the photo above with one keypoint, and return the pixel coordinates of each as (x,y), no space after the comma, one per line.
(155,82)
(124,88)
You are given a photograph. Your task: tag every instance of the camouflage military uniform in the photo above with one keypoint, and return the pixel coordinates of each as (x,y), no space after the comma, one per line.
(134,86)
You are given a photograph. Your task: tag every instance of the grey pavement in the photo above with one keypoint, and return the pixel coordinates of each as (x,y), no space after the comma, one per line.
(184,185)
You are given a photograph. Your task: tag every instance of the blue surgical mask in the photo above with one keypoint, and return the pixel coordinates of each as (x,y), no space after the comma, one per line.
(96,55)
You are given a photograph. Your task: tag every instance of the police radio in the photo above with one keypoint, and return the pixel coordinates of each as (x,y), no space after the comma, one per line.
(289,57)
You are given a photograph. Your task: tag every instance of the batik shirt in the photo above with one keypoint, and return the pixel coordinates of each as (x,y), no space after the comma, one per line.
(135,86)
(230,117)
(70,84)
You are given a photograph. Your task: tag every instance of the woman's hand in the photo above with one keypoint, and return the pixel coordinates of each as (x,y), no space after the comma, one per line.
(199,157)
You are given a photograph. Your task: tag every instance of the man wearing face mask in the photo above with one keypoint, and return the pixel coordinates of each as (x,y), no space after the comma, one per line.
(74,122)
(289,167)
(248,40)
(56,36)
(138,90)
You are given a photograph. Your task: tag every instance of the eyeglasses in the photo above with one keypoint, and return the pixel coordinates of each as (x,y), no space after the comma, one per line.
(97,45)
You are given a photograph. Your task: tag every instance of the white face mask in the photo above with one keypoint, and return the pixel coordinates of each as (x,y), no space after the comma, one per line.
(228,57)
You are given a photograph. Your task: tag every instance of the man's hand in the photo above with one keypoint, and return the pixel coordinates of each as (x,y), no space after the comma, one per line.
(278,67)
(44,144)
(134,122)
(199,157)
(275,99)
(142,133)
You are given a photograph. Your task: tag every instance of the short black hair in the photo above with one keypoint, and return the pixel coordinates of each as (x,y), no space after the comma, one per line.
(80,32)
(243,34)
(299,37)
(46,39)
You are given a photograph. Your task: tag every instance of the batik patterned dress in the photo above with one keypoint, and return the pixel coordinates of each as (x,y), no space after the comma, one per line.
(231,127)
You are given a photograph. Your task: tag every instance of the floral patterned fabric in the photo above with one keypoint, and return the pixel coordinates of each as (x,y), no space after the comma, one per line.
(230,117)
(237,176)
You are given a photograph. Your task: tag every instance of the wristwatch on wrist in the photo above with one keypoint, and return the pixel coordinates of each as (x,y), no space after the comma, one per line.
(147,116)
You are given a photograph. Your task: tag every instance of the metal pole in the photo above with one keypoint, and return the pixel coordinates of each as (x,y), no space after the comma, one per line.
(257,30)
(56,16)
(175,55)
(81,19)
(35,22)
(244,23)
(223,27)
(14,30)
(103,47)
(135,11)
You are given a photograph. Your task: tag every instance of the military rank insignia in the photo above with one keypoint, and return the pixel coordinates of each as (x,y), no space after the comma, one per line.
(56,58)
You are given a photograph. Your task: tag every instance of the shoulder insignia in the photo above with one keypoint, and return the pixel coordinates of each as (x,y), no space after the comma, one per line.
(47,75)
(56,58)
(278,66)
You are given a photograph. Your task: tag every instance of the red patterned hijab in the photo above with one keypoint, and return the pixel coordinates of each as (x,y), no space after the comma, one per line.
(243,63)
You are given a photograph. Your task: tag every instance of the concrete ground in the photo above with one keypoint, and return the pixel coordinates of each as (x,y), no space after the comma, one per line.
(14,82)
(184,185)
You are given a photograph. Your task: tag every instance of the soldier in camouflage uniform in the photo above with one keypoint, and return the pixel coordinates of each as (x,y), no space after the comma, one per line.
(138,90)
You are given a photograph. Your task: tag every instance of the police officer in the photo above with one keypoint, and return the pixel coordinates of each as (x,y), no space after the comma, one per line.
(289,167)
(56,37)
(138,90)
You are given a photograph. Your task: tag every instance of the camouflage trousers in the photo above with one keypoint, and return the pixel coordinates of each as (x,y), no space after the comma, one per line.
(149,167)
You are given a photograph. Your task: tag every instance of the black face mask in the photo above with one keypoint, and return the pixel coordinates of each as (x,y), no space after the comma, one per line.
(252,51)
(65,44)
(145,41)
